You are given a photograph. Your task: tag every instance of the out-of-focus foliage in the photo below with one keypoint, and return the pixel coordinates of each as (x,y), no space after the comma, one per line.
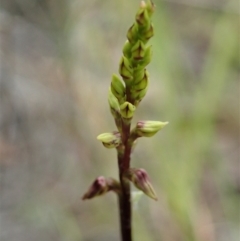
(56,62)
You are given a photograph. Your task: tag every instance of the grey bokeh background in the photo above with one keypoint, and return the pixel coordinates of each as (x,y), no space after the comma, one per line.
(56,62)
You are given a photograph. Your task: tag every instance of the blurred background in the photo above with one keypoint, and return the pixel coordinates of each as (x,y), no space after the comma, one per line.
(56,62)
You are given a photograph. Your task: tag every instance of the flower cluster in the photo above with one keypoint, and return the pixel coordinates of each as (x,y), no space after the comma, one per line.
(125,94)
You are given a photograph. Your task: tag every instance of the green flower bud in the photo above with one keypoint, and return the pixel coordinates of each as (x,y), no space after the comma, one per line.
(127,110)
(138,50)
(140,179)
(148,128)
(117,87)
(147,34)
(147,57)
(125,69)
(141,94)
(132,33)
(110,140)
(150,8)
(139,75)
(142,17)
(127,49)
(138,95)
(140,85)
(143,84)
(113,103)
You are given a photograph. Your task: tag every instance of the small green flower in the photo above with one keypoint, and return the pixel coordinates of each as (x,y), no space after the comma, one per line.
(150,7)
(127,110)
(139,75)
(141,95)
(110,139)
(117,87)
(127,49)
(132,33)
(142,84)
(147,34)
(149,128)
(142,17)
(147,58)
(114,104)
(125,69)
(138,50)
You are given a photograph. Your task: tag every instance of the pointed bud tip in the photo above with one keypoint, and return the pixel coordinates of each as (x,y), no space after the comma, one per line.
(149,128)
(165,123)
(140,179)
(97,188)
(142,4)
(103,136)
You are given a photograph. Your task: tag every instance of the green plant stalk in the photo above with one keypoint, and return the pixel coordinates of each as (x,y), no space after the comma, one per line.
(124,97)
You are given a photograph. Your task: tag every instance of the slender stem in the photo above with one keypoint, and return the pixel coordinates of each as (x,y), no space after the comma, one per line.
(125,212)
(125,197)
